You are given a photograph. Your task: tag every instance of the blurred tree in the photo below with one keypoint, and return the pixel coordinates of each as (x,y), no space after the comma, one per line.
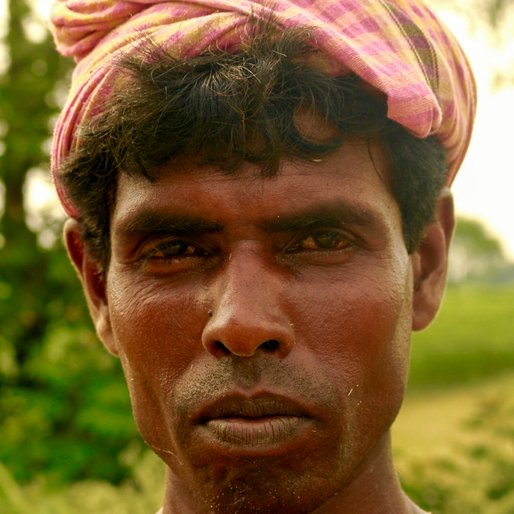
(61,396)
(497,11)
(492,21)
(475,254)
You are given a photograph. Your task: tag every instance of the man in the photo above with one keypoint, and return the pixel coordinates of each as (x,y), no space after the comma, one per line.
(260,216)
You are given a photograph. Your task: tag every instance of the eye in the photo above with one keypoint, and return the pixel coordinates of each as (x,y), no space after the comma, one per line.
(173,249)
(321,240)
(325,240)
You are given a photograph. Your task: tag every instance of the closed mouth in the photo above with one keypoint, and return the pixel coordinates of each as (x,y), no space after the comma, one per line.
(256,422)
(250,408)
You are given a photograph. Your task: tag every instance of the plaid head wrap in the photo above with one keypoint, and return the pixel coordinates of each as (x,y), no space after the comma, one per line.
(398,47)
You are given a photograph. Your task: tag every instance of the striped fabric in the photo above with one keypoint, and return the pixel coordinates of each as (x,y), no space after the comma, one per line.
(397,46)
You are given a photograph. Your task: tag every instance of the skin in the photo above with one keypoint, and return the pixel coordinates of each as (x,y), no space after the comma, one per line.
(264,327)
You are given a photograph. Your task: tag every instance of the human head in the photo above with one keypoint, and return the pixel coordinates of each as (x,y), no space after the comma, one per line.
(261,100)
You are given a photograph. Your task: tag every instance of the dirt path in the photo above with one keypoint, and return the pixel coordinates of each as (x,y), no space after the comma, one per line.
(432,422)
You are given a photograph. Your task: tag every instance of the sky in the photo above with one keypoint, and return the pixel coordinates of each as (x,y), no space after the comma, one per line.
(484,187)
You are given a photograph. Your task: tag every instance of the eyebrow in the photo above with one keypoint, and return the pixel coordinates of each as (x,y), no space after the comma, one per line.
(155,222)
(151,221)
(331,213)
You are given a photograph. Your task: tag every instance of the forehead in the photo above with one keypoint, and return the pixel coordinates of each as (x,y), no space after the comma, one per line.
(354,177)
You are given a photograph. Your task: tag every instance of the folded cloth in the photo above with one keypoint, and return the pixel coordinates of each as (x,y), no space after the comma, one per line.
(399,47)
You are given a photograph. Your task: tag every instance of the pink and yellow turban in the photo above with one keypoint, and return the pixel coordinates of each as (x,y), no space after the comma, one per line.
(397,46)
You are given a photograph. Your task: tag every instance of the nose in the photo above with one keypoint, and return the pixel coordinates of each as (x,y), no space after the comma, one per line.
(248,312)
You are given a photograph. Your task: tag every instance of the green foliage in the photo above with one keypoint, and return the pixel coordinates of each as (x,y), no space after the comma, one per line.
(74,420)
(62,398)
(477,475)
(471,338)
(475,255)
(475,237)
(142,494)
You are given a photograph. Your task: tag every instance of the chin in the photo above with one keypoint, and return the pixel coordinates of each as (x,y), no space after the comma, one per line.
(257,493)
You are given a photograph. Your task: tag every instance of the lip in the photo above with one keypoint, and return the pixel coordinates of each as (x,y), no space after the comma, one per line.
(258,423)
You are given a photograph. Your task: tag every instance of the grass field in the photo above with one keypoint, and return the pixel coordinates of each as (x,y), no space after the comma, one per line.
(471,339)
(432,424)
(453,441)
(465,358)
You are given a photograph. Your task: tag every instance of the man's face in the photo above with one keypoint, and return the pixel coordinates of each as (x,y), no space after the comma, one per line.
(263,326)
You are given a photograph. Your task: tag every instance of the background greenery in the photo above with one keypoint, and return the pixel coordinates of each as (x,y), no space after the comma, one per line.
(68,442)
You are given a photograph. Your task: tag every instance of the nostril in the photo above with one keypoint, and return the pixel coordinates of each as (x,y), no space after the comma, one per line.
(270,346)
(220,349)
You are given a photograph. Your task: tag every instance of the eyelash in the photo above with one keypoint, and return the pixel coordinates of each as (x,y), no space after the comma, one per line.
(321,240)
(336,238)
(182,247)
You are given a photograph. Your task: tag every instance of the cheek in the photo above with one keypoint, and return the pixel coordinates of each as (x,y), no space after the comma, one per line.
(156,326)
(360,332)
(158,333)
(360,328)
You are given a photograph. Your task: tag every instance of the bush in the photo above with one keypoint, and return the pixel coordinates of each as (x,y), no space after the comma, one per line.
(142,494)
(477,477)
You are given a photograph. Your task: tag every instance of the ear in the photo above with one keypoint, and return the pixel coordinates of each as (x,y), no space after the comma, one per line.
(93,280)
(430,262)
